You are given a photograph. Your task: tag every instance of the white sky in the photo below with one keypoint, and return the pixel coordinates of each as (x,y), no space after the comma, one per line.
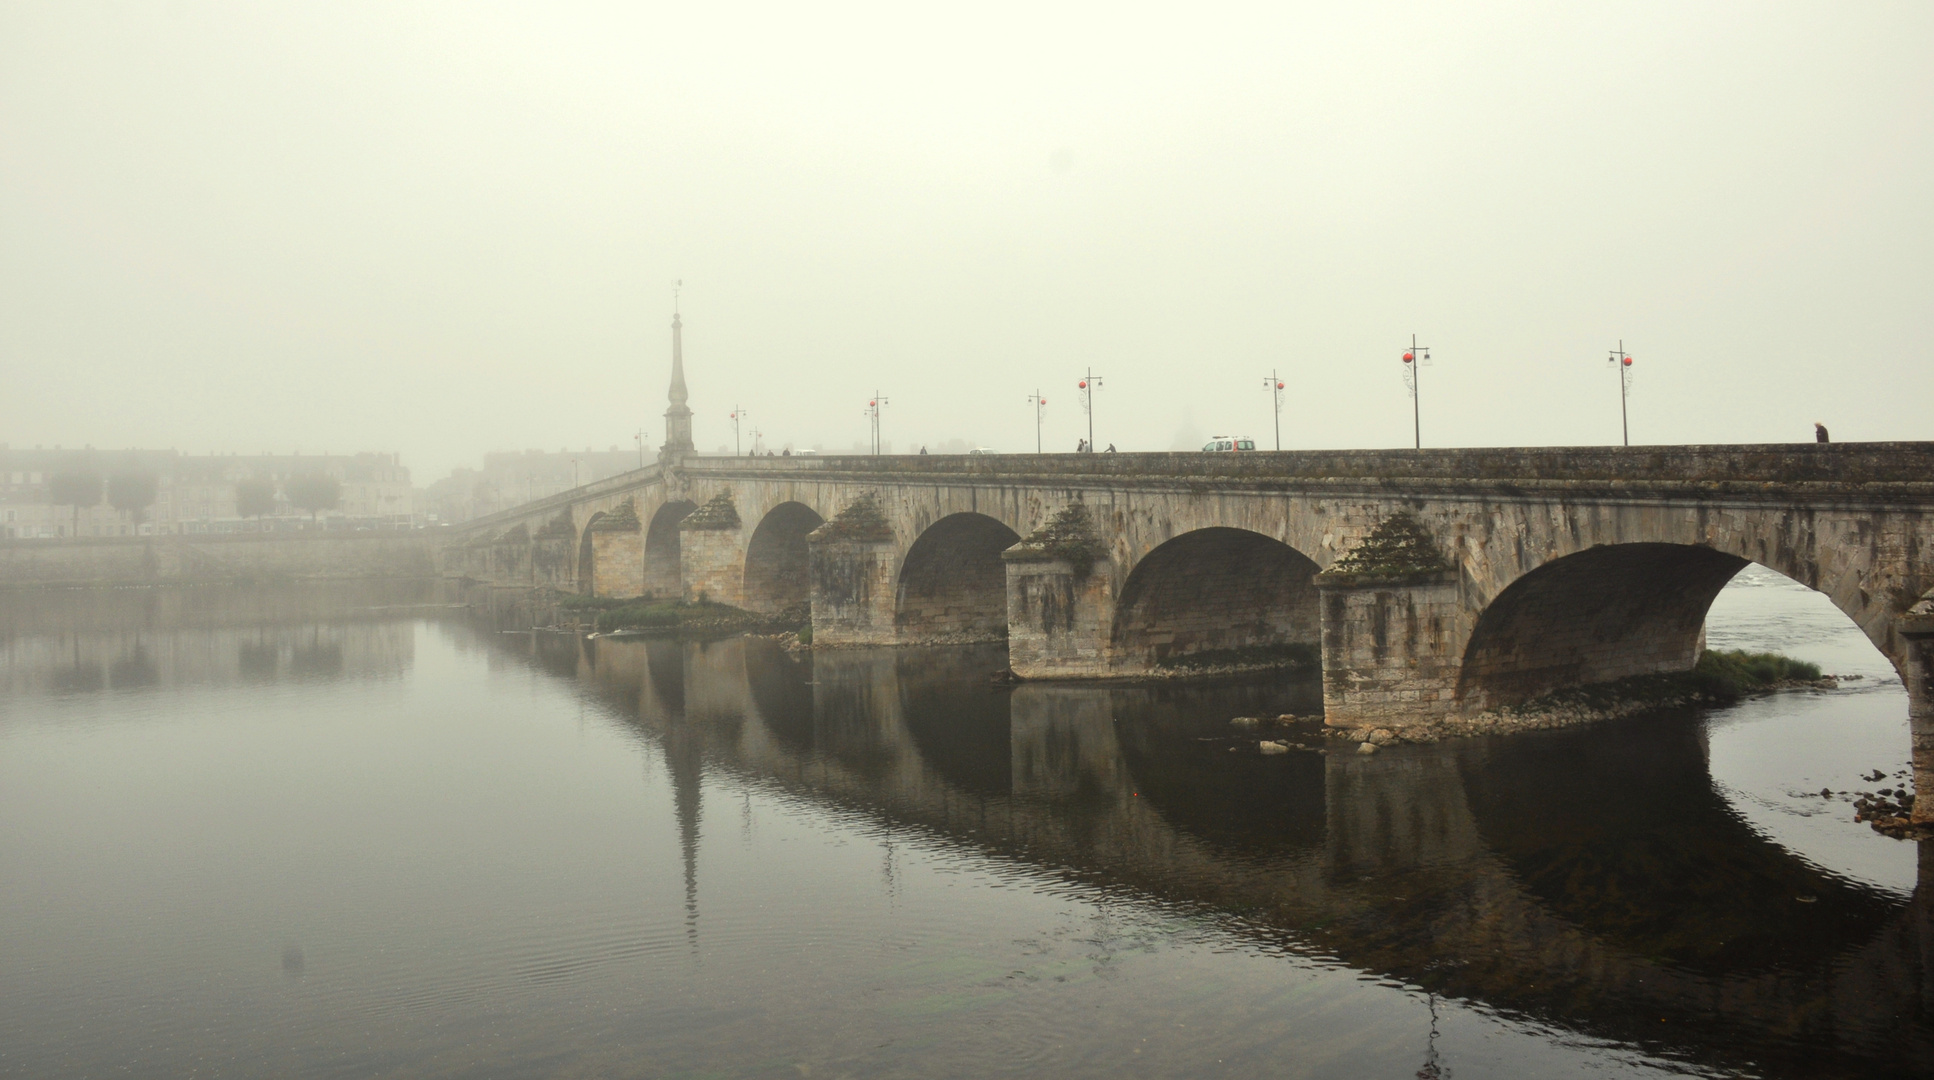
(448,228)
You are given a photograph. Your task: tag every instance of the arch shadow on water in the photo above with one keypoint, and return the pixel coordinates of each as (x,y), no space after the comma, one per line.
(1618,827)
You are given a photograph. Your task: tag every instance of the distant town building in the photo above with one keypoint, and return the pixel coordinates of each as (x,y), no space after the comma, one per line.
(196,493)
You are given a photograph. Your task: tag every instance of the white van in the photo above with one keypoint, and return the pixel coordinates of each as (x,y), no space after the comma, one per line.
(1219,444)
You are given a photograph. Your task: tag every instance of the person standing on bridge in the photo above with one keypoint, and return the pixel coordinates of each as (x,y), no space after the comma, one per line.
(1819,432)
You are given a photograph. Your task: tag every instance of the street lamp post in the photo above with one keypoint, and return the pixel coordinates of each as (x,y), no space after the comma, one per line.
(1035,399)
(1417,357)
(1275,387)
(640,437)
(1621,361)
(1088,386)
(873,413)
(737,415)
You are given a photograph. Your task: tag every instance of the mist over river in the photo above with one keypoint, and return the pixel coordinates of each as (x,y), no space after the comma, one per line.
(313,833)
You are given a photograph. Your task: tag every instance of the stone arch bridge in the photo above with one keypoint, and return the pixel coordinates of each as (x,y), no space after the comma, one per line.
(1429,583)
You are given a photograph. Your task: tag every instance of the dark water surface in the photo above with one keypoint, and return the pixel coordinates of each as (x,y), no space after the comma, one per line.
(271,834)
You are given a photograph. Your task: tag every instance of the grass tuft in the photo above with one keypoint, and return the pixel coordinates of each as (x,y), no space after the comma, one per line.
(1735,672)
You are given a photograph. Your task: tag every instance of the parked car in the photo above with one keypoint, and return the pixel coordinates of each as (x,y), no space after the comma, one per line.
(1219,444)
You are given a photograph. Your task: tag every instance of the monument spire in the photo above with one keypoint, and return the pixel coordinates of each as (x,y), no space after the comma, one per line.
(678,418)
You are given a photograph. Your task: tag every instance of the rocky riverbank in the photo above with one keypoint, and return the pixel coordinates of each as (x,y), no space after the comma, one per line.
(1718,679)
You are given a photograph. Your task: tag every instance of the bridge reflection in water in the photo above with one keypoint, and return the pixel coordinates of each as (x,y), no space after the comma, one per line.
(1593,878)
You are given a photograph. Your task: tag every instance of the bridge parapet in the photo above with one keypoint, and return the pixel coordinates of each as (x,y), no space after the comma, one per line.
(1842,464)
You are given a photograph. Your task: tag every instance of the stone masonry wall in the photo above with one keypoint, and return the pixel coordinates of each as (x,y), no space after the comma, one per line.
(952,584)
(554,562)
(662,551)
(618,563)
(1391,651)
(853,592)
(712,565)
(1215,590)
(778,562)
(1056,621)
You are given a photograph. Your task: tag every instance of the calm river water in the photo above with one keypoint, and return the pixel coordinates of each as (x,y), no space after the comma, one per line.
(317,835)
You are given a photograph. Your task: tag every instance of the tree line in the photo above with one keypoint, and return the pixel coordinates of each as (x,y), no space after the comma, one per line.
(132,492)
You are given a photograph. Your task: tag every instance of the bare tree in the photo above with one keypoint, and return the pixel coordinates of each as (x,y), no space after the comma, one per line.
(315,492)
(132,492)
(255,496)
(77,488)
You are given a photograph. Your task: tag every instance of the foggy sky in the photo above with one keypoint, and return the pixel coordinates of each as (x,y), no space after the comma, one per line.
(449,228)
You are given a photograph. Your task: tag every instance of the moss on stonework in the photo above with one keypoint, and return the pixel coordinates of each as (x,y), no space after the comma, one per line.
(1069,537)
(861,520)
(622,519)
(720,513)
(1399,546)
(516,534)
(559,526)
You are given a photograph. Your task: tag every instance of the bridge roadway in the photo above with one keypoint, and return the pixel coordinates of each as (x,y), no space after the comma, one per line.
(1430,583)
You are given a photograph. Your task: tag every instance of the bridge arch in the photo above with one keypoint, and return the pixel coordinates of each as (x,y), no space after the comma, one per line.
(953,585)
(778,563)
(664,577)
(587,557)
(1216,590)
(1606,612)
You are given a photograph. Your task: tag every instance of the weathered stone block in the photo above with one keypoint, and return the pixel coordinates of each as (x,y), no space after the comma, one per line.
(1391,648)
(1057,620)
(853,591)
(618,564)
(710,565)
(711,555)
